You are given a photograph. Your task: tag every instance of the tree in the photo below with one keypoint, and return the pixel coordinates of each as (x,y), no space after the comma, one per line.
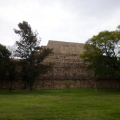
(31,54)
(7,66)
(12,50)
(102,54)
(4,62)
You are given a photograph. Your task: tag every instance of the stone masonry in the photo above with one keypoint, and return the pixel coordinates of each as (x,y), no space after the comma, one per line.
(68,69)
(67,64)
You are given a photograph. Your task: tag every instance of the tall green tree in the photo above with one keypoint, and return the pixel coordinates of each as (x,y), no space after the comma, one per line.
(102,53)
(7,66)
(4,61)
(31,54)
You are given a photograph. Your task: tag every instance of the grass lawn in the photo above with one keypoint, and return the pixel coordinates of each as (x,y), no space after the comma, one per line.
(74,104)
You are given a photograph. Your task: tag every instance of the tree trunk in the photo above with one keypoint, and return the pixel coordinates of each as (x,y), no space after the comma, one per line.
(119,84)
(95,85)
(30,85)
(10,85)
(25,85)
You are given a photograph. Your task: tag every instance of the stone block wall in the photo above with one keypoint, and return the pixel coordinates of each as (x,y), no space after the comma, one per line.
(66,47)
(63,84)
(67,64)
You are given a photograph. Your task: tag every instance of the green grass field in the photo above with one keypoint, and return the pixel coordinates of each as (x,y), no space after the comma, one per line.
(74,104)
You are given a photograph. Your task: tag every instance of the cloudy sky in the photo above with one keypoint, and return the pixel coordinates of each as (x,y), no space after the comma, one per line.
(63,20)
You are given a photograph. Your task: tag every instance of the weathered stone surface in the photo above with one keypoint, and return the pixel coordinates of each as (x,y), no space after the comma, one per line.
(61,84)
(67,64)
(66,47)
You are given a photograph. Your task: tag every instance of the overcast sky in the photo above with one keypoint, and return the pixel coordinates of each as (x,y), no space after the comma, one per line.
(63,20)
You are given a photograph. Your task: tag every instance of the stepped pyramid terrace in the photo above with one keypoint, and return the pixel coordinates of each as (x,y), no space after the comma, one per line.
(66,61)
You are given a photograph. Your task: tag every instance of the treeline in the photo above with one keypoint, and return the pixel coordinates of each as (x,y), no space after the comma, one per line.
(24,60)
(102,55)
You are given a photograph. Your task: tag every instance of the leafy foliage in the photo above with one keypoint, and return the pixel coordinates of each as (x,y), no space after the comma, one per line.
(28,43)
(4,61)
(102,54)
(7,66)
(31,54)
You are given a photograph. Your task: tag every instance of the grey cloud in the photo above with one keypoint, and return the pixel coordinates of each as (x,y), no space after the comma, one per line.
(66,20)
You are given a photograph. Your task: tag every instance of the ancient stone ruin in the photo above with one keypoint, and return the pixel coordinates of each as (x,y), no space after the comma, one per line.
(67,64)
(68,69)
